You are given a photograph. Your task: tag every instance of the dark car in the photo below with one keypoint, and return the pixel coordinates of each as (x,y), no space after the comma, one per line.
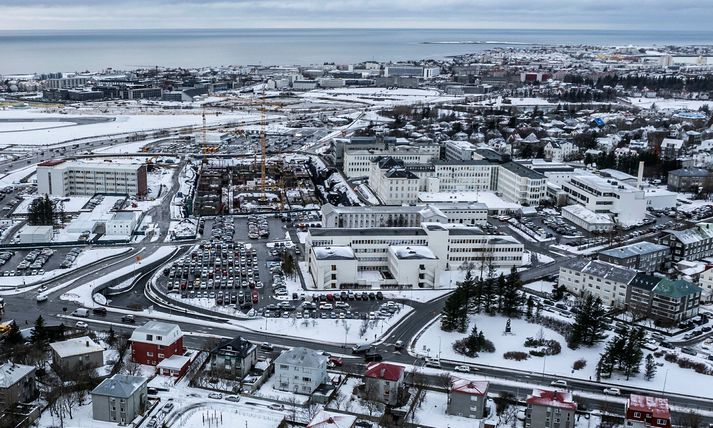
(99,311)
(380,295)
(128,318)
(372,357)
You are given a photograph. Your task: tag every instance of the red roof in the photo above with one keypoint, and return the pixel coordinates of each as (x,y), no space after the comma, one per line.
(559,399)
(51,162)
(471,387)
(384,371)
(658,407)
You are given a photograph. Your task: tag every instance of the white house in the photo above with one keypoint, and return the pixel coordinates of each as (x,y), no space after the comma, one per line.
(300,370)
(607,281)
(705,281)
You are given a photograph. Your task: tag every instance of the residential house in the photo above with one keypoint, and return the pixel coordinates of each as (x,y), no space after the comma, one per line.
(643,256)
(467,398)
(607,281)
(80,353)
(560,151)
(550,409)
(300,370)
(662,299)
(705,281)
(688,179)
(643,411)
(17,385)
(383,382)
(154,341)
(120,399)
(690,244)
(232,359)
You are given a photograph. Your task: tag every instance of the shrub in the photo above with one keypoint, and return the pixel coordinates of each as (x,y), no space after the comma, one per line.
(550,347)
(516,355)
(579,364)
(671,358)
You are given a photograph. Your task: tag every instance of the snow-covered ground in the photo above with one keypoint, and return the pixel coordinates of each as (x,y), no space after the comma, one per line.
(669,104)
(434,342)
(432,412)
(380,96)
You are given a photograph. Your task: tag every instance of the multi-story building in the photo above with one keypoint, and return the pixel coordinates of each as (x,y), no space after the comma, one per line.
(357,163)
(383,382)
(395,185)
(457,150)
(662,299)
(365,255)
(691,244)
(79,353)
(338,146)
(647,412)
(626,204)
(643,256)
(705,281)
(550,409)
(66,82)
(155,341)
(232,359)
(467,398)
(586,219)
(688,179)
(74,178)
(607,281)
(17,385)
(521,184)
(300,370)
(120,399)
(473,214)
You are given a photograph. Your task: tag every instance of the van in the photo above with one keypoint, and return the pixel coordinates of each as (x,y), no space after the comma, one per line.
(360,349)
(81,312)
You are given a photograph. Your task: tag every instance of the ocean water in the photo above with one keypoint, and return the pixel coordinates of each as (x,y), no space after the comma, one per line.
(67,51)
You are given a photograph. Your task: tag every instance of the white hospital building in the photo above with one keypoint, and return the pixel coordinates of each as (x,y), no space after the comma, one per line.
(76,178)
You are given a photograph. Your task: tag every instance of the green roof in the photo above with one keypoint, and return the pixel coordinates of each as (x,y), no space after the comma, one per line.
(676,288)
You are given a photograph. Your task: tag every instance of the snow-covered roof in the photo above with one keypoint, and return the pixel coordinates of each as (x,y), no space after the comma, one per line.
(413,252)
(471,387)
(325,419)
(559,399)
(334,253)
(159,333)
(120,386)
(636,249)
(11,373)
(697,233)
(658,407)
(302,357)
(77,346)
(386,371)
(174,362)
(588,215)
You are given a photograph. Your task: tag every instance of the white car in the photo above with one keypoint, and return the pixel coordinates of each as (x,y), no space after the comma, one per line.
(612,391)
(43,288)
(462,369)
(275,406)
(82,324)
(233,398)
(215,395)
(559,382)
(41,298)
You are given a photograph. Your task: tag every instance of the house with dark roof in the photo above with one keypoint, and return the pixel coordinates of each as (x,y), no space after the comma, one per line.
(691,244)
(664,300)
(642,256)
(550,409)
(384,382)
(120,399)
(467,398)
(687,179)
(232,359)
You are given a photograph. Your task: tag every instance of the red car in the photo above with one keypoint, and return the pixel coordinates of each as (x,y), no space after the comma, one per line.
(255,297)
(335,362)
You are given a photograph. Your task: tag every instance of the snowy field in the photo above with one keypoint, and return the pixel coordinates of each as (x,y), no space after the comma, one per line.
(676,379)
(29,126)
(380,96)
(669,104)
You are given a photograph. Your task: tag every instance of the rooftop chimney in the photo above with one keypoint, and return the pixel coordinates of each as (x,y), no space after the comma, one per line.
(640,175)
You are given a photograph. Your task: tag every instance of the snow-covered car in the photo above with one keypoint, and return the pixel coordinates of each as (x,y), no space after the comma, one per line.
(41,298)
(43,288)
(275,406)
(215,395)
(233,398)
(612,391)
(559,382)
(82,324)
(462,369)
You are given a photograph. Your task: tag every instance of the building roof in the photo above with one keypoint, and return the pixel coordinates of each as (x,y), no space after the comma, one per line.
(77,346)
(658,407)
(11,373)
(697,233)
(588,215)
(302,357)
(175,362)
(385,371)
(168,333)
(690,172)
(334,253)
(645,281)
(522,171)
(676,288)
(470,387)
(120,386)
(413,252)
(238,346)
(632,250)
(325,419)
(374,231)
(545,397)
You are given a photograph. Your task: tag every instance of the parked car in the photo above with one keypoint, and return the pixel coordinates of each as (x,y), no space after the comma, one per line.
(612,391)
(275,406)
(233,398)
(82,324)
(462,369)
(559,382)
(128,319)
(266,346)
(215,395)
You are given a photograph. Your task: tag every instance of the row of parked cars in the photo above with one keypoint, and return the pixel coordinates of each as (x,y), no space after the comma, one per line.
(70,258)
(258,227)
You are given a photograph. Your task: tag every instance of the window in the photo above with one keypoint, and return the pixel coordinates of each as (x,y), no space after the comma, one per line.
(149,354)
(149,337)
(159,338)
(637,414)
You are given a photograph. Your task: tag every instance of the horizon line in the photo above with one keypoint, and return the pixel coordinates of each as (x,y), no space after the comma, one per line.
(421,28)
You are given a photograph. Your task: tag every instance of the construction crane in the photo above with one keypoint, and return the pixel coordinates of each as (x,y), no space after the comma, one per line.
(263,142)
(204,138)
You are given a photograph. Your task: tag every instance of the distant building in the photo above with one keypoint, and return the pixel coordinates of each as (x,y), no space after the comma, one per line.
(645,412)
(122,223)
(550,409)
(76,178)
(80,353)
(662,299)
(688,179)
(383,382)
(467,398)
(120,399)
(232,359)
(625,203)
(155,341)
(17,385)
(35,234)
(66,82)
(521,184)
(300,370)
(642,256)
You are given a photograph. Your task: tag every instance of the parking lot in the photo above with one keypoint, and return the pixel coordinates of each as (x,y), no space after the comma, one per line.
(228,271)
(37,261)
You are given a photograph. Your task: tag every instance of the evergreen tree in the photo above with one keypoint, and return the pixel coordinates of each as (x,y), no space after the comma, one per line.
(455,311)
(13,337)
(488,296)
(633,354)
(500,292)
(111,339)
(530,305)
(39,334)
(650,367)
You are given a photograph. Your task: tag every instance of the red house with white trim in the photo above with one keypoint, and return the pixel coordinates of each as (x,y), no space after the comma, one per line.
(155,341)
(384,382)
(643,411)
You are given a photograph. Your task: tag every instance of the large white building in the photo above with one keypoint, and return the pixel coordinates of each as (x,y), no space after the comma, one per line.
(625,203)
(607,281)
(402,256)
(357,163)
(472,214)
(76,178)
(587,219)
(521,184)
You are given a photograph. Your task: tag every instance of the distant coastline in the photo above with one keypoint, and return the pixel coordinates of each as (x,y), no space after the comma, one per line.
(478,42)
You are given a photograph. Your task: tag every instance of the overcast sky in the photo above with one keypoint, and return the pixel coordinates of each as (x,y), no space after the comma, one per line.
(672,15)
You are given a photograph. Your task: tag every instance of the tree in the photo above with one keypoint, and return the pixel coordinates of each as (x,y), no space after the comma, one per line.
(288,264)
(42,211)
(455,311)
(39,333)
(530,305)
(488,296)
(650,367)
(511,297)
(13,337)
(588,327)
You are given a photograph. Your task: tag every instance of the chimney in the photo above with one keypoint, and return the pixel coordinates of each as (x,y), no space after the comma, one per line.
(640,175)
